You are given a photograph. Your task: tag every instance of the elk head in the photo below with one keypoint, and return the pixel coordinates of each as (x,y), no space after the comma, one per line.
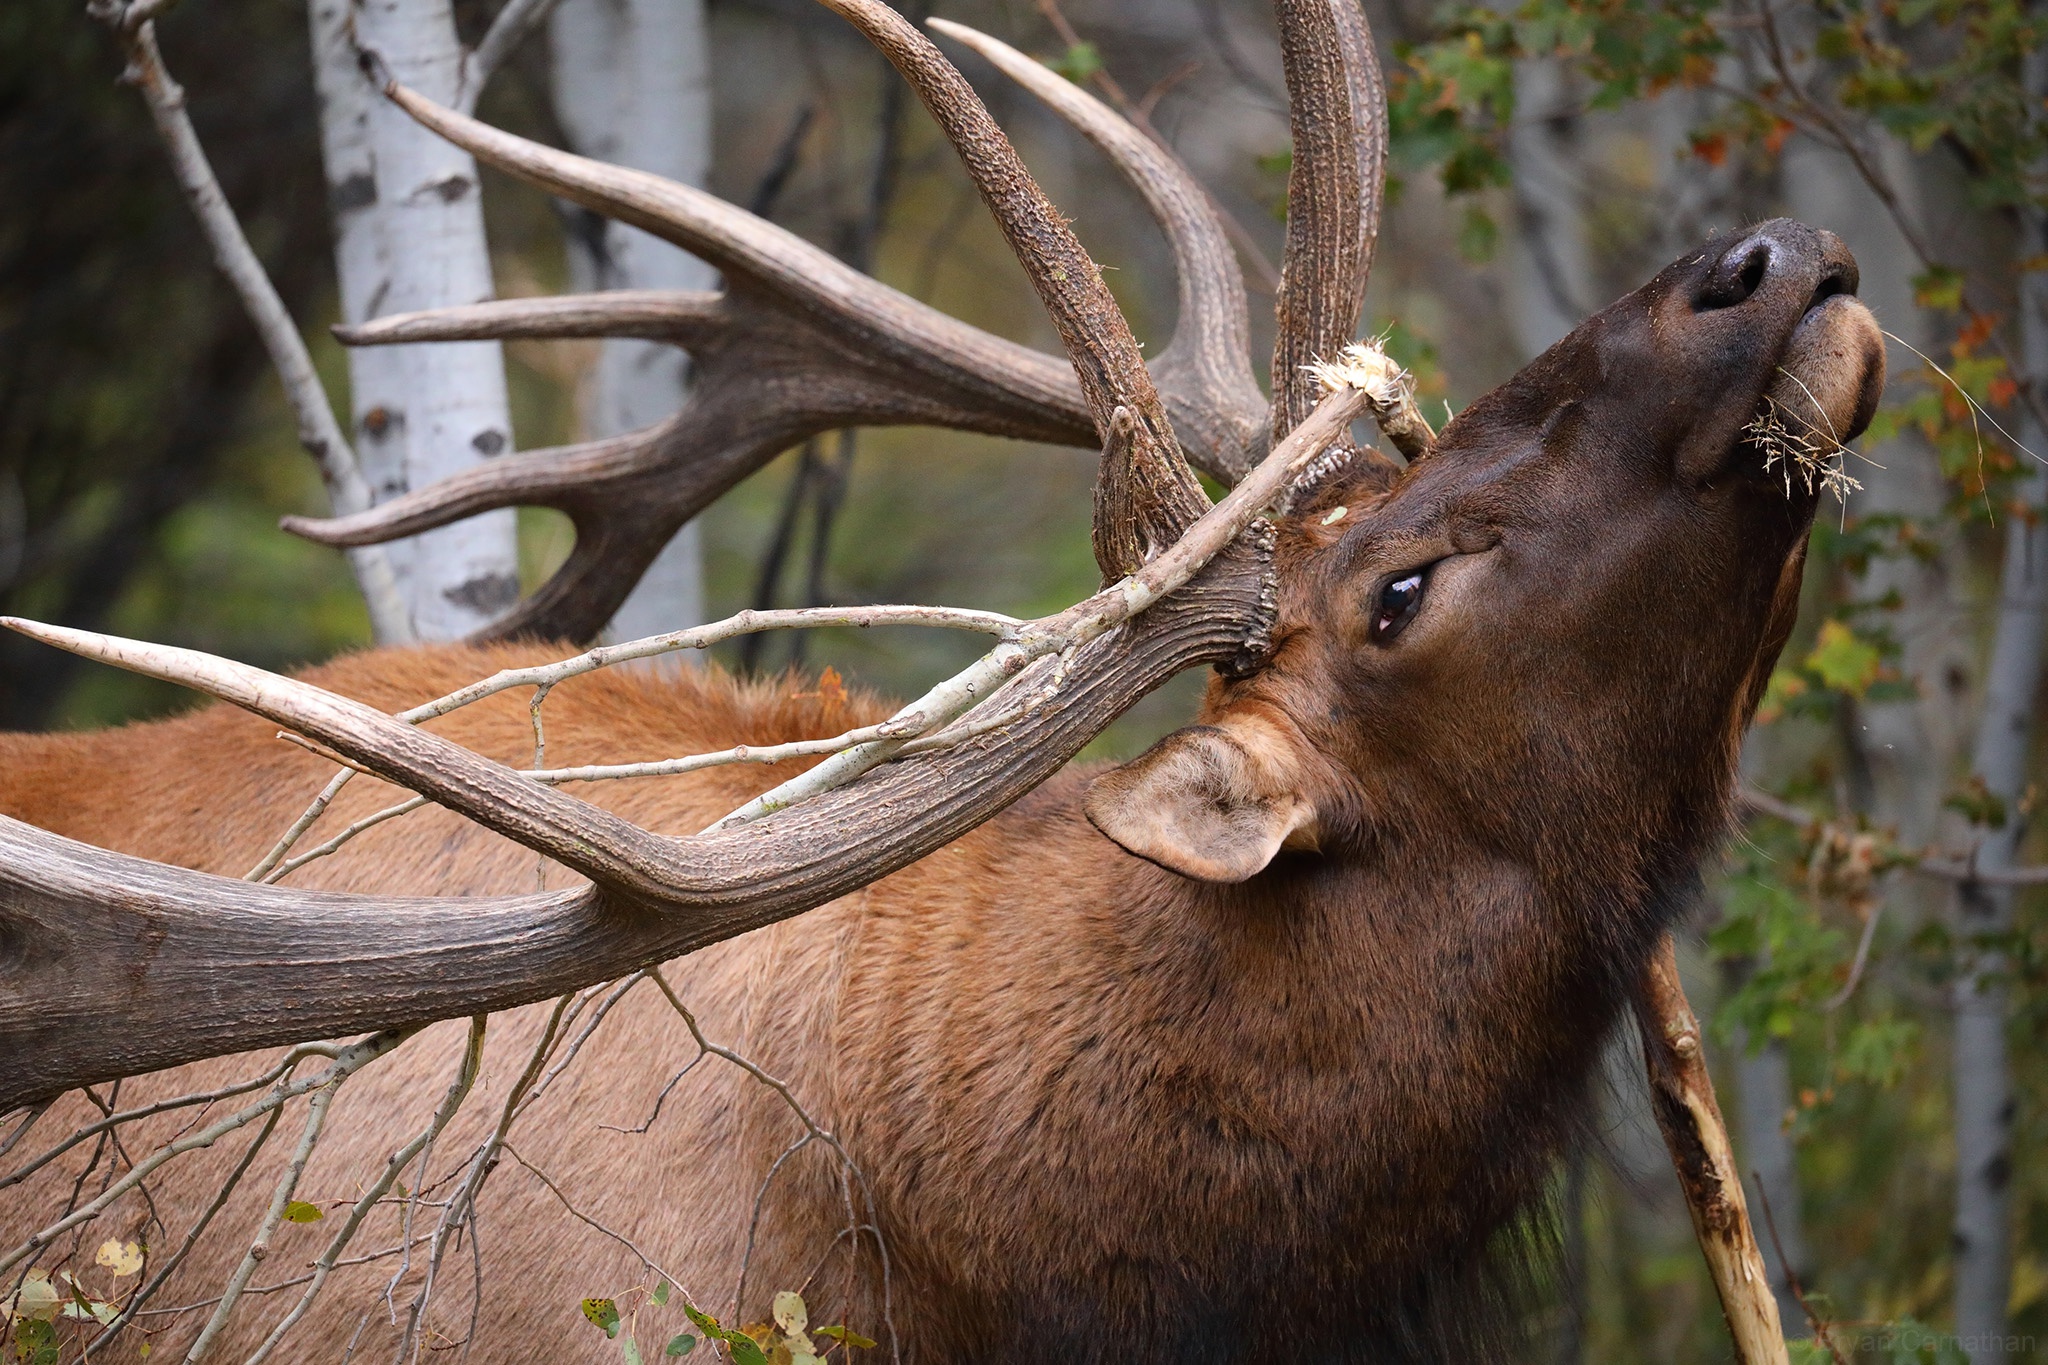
(1549,634)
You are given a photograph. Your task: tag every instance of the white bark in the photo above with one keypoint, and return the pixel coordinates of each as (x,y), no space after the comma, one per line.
(1984,1097)
(1553,288)
(1763,1081)
(632,86)
(409,234)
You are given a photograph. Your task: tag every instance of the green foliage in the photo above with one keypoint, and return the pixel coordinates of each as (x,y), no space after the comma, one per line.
(603,1315)
(786,1340)
(1796,959)
(1078,63)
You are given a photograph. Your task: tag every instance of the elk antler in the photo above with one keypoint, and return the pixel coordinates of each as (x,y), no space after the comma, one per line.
(101,955)
(1337,110)
(800,343)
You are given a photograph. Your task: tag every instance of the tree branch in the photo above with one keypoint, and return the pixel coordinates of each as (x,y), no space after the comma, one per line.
(319,432)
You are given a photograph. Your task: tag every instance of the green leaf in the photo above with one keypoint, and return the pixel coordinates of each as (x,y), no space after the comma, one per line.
(630,1349)
(1478,235)
(745,1350)
(1940,288)
(603,1315)
(681,1344)
(299,1211)
(846,1335)
(1078,63)
(1877,1051)
(1844,661)
(661,1294)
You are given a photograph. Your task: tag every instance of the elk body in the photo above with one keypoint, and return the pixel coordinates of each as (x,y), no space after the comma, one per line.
(1255,1048)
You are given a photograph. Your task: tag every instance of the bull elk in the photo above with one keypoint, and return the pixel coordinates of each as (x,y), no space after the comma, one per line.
(1259,1047)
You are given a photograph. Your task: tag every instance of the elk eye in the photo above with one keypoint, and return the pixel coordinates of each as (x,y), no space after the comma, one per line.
(1398,602)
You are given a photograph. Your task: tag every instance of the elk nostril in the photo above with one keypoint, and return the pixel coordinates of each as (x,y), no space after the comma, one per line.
(1737,276)
(1838,279)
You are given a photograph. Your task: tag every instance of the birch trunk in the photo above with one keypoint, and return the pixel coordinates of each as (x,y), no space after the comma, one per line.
(1552,277)
(409,234)
(1763,1081)
(632,86)
(1983,1081)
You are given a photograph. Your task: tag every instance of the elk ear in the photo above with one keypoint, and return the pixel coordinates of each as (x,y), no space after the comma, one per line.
(1212,802)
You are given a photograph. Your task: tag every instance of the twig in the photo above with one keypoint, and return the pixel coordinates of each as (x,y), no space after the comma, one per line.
(592,1223)
(290,1059)
(703,637)
(280,1201)
(458,1091)
(510,27)
(319,432)
(347,1061)
(739,1293)
(1841,997)
(134,1307)
(261,872)
(1927,862)
(462,1206)
(1821,1333)
(812,1128)
(28,1121)
(332,845)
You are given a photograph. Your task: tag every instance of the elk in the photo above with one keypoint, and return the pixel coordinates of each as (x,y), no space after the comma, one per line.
(1259,1046)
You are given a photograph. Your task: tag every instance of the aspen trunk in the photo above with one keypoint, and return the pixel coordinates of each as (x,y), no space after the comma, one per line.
(409,234)
(1983,1080)
(1548,249)
(632,86)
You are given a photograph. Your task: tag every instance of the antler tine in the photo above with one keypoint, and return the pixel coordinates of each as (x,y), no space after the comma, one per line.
(563,477)
(1337,103)
(798,344)
(1144,501)
(1205,371)
(685,318)
(611,852)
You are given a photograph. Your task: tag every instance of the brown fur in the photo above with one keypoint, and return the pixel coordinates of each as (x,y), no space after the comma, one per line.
(1107,1111)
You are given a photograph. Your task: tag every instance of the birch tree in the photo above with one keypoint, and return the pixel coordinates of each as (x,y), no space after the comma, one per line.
(1983,1074)
(632,86)
(408,235)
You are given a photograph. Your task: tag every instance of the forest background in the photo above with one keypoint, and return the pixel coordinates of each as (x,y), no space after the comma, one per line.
(1548,157)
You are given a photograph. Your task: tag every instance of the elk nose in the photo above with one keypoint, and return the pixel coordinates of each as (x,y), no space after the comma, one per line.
(1741,270)
(1775,247)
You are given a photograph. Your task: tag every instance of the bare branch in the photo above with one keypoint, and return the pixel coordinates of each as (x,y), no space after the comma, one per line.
(458,1091)
(319,433)
(1682,1096)
(137,1305)
(280,1201)
(347,1061)
(510,27)
(1928,862)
